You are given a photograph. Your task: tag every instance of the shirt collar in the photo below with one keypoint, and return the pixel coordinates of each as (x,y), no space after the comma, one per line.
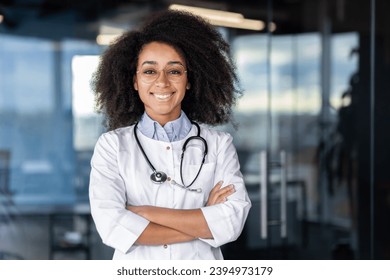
(172,131)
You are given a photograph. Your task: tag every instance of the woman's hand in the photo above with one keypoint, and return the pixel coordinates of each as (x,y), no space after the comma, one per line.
(218,194)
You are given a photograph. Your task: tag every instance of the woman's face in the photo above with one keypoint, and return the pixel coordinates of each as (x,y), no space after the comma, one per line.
(161,81)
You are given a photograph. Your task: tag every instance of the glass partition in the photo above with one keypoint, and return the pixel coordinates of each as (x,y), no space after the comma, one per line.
(42,173)
(308,134)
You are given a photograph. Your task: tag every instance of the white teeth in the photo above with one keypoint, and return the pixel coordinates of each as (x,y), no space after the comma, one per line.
(162,96)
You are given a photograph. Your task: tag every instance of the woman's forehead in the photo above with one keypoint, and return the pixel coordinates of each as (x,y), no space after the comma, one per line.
(159,53)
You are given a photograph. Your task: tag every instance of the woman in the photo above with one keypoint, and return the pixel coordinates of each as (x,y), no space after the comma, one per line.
(149,199)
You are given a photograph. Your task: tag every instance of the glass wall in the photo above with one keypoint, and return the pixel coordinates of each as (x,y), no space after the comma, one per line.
(310,132)
(36,117)
(292,116)
(45,152)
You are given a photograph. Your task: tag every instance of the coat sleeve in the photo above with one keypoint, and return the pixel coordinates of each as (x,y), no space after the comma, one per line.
(226,220)
(118,227)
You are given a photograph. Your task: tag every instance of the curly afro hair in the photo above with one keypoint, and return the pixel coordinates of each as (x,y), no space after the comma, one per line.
(211,71)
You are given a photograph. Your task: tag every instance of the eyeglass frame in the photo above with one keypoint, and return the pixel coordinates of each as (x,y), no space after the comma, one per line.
(163,70)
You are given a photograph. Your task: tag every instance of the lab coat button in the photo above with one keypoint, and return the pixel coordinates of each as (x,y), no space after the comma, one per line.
(165,246)
(168,148)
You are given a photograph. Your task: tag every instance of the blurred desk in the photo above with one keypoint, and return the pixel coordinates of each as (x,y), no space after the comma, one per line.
(69,225)
(49,209)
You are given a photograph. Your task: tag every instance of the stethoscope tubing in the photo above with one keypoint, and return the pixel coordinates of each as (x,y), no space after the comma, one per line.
(160,177)
(198,137)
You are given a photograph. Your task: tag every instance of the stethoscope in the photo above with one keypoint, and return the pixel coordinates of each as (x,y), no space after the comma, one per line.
(159,177)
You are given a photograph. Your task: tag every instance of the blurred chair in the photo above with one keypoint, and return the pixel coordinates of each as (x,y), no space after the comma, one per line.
(9,256)
(5,193)
(70,235)
(5,199)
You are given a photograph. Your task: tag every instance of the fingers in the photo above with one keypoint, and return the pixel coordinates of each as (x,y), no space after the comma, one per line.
(220,195)
(223,193)
(216,187)
(213,196)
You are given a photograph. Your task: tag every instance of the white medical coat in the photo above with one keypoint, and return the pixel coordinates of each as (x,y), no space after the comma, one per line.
(120,176)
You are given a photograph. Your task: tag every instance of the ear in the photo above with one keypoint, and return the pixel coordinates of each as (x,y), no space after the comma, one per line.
(188,86)
(135,83)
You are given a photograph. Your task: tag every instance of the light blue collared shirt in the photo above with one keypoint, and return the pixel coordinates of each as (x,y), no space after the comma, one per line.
(172,131)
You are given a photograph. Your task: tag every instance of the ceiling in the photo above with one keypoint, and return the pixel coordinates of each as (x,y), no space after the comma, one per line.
(58,19)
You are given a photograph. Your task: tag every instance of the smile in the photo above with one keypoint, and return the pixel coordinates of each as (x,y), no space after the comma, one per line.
(163,96)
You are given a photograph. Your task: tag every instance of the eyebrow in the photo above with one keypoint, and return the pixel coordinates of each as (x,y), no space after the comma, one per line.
(155,62)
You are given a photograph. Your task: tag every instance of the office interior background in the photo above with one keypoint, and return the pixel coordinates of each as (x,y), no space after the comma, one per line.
(312,136)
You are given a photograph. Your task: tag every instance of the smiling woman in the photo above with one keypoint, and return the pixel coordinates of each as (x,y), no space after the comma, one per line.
(161,81)
(205,55)
(148,200)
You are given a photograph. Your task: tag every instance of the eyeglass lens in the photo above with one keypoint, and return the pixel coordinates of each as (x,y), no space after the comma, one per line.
(150,73)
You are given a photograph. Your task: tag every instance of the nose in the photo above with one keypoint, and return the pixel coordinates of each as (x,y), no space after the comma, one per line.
(162,79)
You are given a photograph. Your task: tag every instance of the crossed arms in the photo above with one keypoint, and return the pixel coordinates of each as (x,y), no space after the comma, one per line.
(169,226)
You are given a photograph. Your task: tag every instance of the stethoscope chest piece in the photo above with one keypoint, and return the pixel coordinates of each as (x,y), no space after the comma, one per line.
(158,177)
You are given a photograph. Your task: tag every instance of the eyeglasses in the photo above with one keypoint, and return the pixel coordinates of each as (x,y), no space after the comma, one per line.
(174,73)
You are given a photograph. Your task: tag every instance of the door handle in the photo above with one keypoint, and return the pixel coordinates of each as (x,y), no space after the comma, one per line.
(283,194)
(263,194)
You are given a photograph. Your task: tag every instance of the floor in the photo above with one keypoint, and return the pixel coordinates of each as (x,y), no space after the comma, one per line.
(30,237)
(318,242)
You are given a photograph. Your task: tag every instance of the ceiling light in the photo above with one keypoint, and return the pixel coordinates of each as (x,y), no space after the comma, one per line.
(108,34)
(222,18)
(272,27)
(106,39)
